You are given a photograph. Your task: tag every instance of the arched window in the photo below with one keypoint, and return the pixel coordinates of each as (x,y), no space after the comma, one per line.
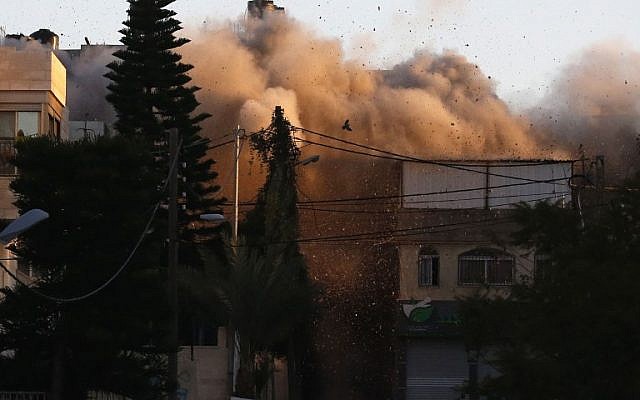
(428,267)
(485,266)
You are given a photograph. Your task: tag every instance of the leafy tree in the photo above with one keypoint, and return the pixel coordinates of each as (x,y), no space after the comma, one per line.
(95,193)
(271,266)
(572,331)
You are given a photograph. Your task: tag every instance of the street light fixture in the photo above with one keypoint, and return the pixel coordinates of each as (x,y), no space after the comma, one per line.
(309,160)
(23,223)
(213,217)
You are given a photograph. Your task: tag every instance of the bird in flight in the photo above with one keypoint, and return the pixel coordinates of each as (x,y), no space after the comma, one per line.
(346,126)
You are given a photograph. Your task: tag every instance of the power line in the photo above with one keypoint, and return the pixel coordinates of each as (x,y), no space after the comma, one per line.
(422,161)
(401,196)
(220,145)
(402,238)
(558,195)
(403,232)
(506,163)
(248,135)
(144,233)
(103,285)
(401,211)
(402,157)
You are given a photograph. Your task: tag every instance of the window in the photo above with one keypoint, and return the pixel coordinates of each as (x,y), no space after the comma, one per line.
(7,125)
(541,263)
(428,268)
(25,268)
(15,124)
(28,123)
(21,123)
(485,266)
(54,127)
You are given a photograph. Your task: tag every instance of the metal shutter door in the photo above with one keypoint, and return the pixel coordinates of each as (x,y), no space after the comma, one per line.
(435,369)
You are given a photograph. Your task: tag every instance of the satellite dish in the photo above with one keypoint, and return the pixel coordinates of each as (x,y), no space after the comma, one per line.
(22,223)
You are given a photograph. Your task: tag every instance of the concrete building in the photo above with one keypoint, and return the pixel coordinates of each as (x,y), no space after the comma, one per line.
(261,8)
(33,96)
(457,217)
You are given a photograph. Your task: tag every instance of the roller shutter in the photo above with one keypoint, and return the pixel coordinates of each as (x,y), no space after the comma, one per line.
(435,369)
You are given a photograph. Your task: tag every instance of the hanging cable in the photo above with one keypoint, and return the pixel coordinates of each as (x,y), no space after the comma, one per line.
(399,157)
(144,233)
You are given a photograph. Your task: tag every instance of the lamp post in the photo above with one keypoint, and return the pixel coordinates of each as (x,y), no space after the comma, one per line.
(21,224)
(172,266)
(172,262)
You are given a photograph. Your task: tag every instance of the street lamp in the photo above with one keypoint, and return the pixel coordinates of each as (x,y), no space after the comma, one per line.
(213,217)
(309,160)
(23,223)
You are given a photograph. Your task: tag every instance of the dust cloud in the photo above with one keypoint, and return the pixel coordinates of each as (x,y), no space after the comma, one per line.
(594,107)
(432,105)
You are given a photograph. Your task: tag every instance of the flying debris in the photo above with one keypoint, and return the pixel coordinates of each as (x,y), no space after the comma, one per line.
(346,126)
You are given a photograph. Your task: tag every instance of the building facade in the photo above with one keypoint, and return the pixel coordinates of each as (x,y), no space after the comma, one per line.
(33,96)
(456,216)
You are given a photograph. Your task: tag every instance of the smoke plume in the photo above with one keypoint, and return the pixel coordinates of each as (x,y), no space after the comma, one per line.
(595,107)
(86,84)
(432,105)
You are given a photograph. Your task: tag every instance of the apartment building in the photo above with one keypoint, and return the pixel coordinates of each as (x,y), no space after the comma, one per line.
(456,215)
(33,97)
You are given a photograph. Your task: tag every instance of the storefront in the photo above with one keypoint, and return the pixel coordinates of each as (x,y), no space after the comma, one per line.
(434,362)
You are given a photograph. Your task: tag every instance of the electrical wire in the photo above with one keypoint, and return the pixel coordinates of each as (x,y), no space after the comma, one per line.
(61,300)
(505,163)
(401,196)
(558,195)
(220,145)
(93,292)
(404,211)
(401,157)
(402,232)
(248,135)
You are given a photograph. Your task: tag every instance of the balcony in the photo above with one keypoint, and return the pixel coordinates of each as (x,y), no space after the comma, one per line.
(23,396)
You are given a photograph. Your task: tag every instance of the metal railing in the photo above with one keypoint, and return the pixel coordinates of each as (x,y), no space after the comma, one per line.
(104,396)
(23,396)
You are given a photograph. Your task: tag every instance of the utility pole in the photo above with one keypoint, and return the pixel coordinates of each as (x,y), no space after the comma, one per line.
(237,179)
(231,332)
(172,262)
(57,370)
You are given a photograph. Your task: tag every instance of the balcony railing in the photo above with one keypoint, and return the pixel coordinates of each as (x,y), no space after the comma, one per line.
(23,396)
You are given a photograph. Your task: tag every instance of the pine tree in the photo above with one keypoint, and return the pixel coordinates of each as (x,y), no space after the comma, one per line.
(150,95)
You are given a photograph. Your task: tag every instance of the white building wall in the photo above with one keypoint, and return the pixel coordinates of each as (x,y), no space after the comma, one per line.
(483,184)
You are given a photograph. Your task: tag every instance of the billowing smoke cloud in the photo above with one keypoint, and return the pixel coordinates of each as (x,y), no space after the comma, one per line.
(86,84)
(438,106)
(595,105)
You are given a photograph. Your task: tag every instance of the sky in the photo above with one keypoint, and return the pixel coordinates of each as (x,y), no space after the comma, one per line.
(522,45)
